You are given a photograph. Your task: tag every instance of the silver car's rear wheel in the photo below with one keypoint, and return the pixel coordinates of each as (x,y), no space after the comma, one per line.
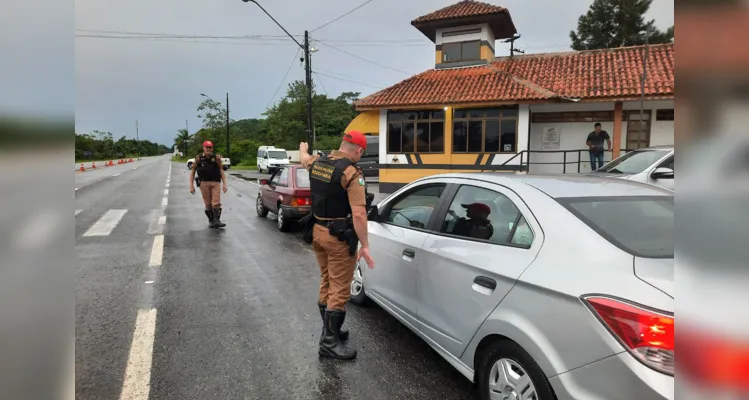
(509,381)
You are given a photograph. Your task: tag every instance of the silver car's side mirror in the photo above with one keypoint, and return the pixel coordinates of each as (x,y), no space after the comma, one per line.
(373,214)
(663,173)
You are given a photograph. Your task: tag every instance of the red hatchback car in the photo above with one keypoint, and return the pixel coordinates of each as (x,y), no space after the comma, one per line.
(286,194)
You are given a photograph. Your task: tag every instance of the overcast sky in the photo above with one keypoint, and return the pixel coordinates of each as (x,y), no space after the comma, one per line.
(158,82)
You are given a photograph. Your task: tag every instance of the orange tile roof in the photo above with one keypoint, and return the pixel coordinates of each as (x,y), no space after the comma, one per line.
(595,74)
(465,8)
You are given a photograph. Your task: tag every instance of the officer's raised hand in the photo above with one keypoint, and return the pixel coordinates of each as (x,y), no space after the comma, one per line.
(303,148)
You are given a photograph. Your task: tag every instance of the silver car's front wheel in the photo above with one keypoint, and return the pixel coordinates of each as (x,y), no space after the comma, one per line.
(509,381)
(357,286)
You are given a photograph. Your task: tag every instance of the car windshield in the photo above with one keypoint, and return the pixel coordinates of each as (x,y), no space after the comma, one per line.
(302,178)
(633,162)
(277,154)
(641,226)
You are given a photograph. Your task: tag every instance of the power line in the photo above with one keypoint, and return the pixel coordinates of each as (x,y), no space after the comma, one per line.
(321,83)
(346,80)
(364,59)
(284,78)
(166,39)
(341,16)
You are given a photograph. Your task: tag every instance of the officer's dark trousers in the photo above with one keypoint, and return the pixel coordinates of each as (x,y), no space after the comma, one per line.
(336,268)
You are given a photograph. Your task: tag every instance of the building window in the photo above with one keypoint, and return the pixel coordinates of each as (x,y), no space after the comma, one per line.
(461,32)
(461,51)
(416,132)
(577,116)
(664,115)
(485,130)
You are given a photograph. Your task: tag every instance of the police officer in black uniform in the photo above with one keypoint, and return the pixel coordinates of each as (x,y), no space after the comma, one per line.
(210,175)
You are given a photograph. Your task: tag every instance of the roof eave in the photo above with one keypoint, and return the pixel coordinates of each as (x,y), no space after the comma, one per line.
(500,22)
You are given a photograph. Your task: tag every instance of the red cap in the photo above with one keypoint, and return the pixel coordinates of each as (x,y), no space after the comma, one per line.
(478,206)
(356,138)
(207,143)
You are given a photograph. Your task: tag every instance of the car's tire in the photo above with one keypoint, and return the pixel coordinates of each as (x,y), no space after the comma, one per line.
(259,170)
(283,221)
(262,212)
(358,296)
(508,356)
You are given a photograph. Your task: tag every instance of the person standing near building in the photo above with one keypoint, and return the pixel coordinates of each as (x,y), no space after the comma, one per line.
(595,145)
(339,207)
(211,175)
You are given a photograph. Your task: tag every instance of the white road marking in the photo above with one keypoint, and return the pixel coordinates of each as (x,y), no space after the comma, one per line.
(135,167)
(162,220)
(157,251)
(167,184)
(164,201)
(166,192)
(117,174)
(149,282)
(137,385)
(76,189)
(78,212)
(106,223)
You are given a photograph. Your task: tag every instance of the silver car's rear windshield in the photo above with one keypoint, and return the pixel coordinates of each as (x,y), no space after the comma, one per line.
(642,226)
(633,162)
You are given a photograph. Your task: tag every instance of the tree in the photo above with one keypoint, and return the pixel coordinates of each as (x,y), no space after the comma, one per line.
(183,137)
(617,23)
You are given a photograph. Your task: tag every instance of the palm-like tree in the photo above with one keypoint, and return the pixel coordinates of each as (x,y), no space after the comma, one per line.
(183,136)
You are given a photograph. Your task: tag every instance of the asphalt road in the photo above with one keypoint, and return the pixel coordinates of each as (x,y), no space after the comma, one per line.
(167,308)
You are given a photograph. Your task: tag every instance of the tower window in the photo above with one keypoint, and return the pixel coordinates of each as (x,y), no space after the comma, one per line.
(461,51)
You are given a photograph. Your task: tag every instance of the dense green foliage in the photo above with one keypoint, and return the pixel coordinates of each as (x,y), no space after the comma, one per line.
(284,125)
(102,146)
(617,23)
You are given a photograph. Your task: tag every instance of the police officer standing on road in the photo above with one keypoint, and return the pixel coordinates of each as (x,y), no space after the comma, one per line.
(210,175)
(339,207)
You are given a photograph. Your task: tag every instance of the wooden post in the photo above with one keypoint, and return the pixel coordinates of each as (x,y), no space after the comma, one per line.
(616,140)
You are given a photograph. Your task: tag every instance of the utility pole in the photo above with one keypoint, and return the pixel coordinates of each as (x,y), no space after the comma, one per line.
(228,152)
(511,41)
(308,78)
(184,142)
(137,140)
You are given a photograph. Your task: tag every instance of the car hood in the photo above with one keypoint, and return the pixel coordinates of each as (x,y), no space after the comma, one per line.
(658,272)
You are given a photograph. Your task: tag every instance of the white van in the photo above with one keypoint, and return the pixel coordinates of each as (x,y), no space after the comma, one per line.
(270,158)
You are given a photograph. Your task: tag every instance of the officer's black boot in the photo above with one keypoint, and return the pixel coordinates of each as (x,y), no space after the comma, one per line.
(343,333)
(217,218)
(331,345)
(209,214)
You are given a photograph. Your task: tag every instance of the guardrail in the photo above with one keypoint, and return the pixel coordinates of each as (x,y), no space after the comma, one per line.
(525,158)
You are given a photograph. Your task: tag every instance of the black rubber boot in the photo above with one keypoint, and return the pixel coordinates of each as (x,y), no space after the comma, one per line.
(209,214)
(343,333)
(331,345)
(217,218)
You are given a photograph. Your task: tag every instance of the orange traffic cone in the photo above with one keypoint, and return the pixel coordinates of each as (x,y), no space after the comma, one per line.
(111,164)
(131,160)
(93,165)
(82,168)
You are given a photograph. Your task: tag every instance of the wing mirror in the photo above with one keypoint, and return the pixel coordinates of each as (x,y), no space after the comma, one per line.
(663,173)
(373,214)
(263,181)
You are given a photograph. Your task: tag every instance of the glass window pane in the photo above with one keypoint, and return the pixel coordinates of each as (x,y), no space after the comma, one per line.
(438,114)
(509,135)
(395,116)
(471,50)
(459,114)
(422,136)
(284,180)
(302,178)
(509,112)
(523,234)
(491,138)
(422,115)
(474,136)
(492,112)
(409,115)
(414,209)
(480,213)
(408,138)
(460,136)
(394,138)
(437,137)
(450,52)
(476,113)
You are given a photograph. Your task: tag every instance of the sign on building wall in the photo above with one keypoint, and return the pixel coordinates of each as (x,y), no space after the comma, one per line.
(551,140)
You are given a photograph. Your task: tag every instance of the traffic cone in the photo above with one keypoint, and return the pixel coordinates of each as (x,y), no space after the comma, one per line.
(82,168)
(131,160)
(111,164)
(93,165)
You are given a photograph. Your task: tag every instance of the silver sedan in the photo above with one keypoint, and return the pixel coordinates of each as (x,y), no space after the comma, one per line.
(534,287)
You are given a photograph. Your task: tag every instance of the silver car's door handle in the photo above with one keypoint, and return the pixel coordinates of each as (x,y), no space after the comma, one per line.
(488,283)
(409,253)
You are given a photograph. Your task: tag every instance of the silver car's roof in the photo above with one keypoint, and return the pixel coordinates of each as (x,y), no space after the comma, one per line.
(558,186)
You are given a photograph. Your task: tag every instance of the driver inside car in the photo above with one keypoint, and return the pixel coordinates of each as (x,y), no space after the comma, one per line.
(476,223)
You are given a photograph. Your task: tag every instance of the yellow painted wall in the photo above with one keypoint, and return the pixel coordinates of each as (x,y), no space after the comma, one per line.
(439,57)
(487,53)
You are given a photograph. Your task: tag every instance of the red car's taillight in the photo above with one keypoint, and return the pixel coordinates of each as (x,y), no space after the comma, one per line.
(713,360)
(647,334)
(300,201)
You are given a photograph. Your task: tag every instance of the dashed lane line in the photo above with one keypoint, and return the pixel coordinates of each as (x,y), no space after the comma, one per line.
(157,251)
(137,385)
(164,201)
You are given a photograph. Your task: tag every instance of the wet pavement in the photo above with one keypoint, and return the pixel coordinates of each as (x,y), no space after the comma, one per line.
(235,309)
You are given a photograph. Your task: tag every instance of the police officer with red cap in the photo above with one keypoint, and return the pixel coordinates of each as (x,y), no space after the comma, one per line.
(339,203)
(210,175)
